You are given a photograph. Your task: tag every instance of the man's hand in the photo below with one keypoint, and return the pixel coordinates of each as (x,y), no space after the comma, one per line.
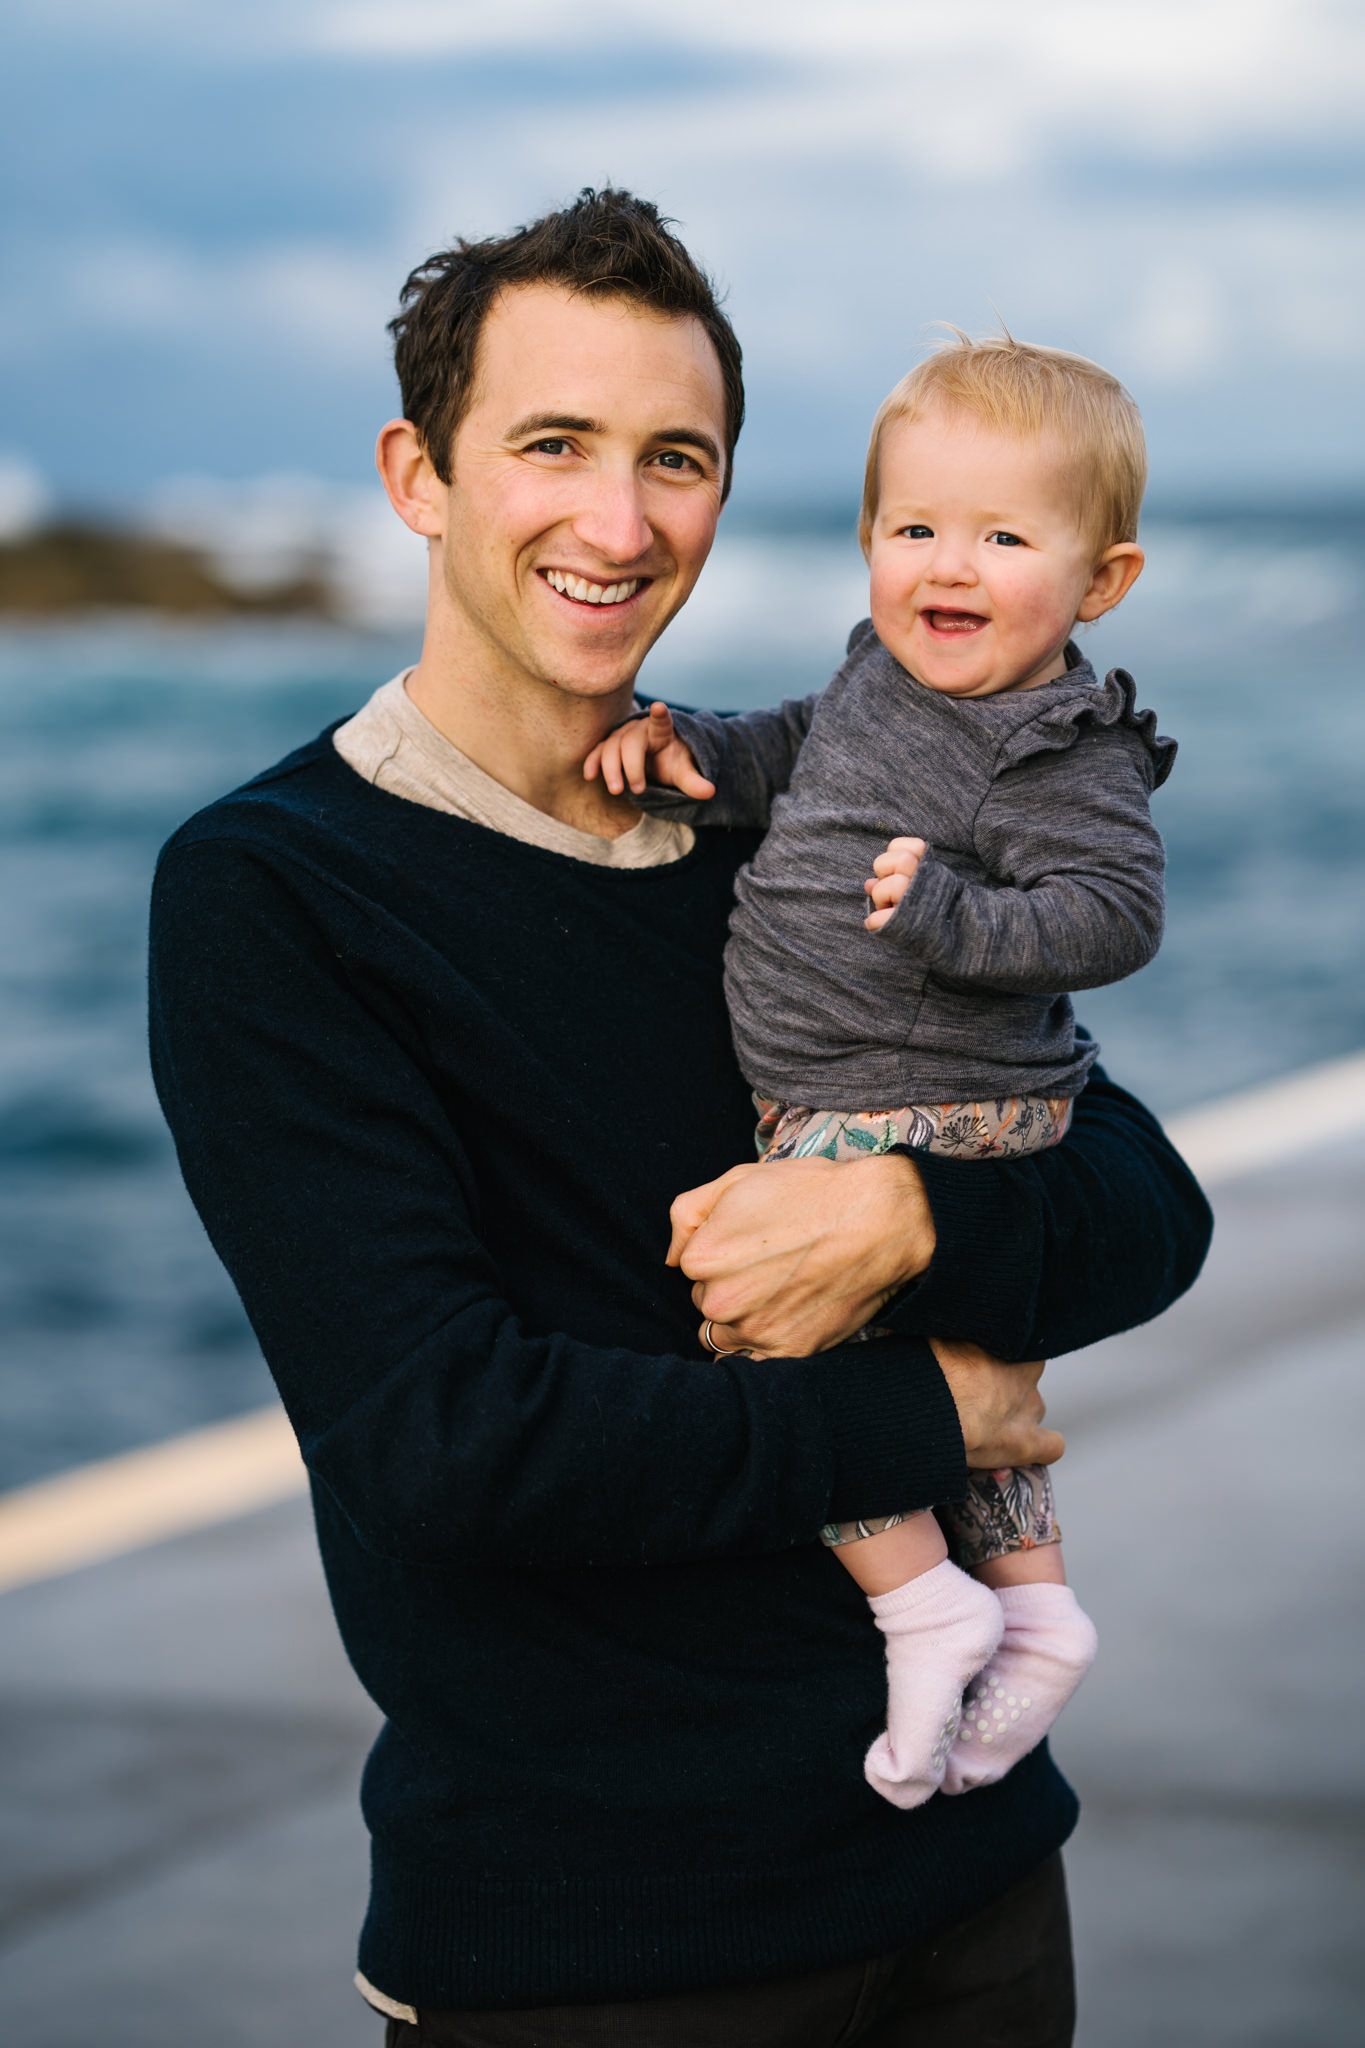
(999,1407)
(892,874)
(792,1256)
(646,750)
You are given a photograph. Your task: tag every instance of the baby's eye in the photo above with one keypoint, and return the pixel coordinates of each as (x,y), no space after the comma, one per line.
(918,532)
(1006,540)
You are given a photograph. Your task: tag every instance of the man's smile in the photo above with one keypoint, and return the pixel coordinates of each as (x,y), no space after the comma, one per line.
(578,590)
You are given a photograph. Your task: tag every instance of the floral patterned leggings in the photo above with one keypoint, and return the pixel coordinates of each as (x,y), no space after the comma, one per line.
(1012,1509)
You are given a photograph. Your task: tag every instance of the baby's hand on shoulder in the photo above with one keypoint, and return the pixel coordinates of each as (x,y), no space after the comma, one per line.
(892,874)
(646,750)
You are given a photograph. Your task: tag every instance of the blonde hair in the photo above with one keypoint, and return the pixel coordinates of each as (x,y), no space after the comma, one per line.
(1017,388)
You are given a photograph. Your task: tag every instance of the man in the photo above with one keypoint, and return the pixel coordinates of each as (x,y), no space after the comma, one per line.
(439,1029)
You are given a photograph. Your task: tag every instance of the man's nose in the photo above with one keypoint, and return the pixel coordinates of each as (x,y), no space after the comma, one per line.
(611,520)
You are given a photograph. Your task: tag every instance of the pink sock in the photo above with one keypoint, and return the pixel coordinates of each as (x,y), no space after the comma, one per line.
(940,1628)
(1045,1652)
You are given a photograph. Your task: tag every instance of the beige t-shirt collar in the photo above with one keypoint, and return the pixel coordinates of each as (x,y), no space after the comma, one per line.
(395,747)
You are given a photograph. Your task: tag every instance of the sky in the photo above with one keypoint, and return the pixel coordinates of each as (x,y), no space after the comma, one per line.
(207,214)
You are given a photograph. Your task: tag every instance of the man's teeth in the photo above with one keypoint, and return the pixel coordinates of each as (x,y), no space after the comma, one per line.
(591,593)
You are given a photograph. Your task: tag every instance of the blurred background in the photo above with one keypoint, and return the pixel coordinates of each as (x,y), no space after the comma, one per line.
(207,216)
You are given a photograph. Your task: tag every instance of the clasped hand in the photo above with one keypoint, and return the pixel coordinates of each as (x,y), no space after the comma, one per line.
(791,1257)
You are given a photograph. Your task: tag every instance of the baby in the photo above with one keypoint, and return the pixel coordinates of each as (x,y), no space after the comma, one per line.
(967,772)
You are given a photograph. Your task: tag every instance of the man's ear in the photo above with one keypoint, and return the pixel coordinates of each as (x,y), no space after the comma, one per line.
(1115,574)
(415,491)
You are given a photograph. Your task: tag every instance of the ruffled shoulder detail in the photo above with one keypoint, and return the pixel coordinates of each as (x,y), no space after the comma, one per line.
(1075,702)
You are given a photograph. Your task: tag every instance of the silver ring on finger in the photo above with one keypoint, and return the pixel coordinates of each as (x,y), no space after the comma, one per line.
(717,1350)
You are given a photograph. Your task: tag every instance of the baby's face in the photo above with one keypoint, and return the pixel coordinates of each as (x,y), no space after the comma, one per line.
(979,566)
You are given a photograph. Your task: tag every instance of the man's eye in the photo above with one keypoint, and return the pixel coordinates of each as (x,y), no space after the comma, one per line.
(553,446)
(673,458)
(918,532)
(1006,540)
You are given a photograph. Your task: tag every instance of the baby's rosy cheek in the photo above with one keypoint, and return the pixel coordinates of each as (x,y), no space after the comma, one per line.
(1039,605)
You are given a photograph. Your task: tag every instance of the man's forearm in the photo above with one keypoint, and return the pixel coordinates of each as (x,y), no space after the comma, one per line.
(1042,1255)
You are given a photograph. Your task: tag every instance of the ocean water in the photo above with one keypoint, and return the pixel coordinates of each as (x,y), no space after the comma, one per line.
(117,1326)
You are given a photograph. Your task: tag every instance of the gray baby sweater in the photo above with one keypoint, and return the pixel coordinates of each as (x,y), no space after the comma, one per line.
(1044,874)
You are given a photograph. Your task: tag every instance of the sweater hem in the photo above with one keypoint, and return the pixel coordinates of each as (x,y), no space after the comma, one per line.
(447,1943)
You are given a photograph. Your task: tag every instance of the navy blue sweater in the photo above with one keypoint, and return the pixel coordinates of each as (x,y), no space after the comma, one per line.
(433,1091)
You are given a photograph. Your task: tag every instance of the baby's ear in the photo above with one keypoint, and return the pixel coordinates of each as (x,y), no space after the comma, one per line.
(1115,574)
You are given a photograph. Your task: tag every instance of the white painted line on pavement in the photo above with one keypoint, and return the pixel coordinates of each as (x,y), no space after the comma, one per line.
(215,1474)
(120,1504)
(1264,1126)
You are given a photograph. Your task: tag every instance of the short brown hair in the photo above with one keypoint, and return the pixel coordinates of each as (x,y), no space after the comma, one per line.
(1021,389)
(608,243)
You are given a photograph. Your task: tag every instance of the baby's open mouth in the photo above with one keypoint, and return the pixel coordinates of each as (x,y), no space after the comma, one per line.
(582,592)
(954,622)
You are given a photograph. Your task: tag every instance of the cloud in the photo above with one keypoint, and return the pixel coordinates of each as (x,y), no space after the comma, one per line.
(318,300)
(1181,73)
(229,202)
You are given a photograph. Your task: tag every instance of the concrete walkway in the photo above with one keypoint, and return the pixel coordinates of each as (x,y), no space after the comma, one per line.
(1208,1495)
(183,1861)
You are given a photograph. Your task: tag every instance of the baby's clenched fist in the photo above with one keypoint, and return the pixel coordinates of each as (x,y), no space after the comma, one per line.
(892,874)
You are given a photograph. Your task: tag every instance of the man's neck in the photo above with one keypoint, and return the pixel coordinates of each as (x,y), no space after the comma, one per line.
(530,737)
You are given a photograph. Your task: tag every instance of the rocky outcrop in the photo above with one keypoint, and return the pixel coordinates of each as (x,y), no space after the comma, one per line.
(75,566)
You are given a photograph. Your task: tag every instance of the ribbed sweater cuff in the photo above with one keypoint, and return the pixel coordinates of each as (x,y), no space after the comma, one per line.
(982,1283)
(921,916)
(893,1427)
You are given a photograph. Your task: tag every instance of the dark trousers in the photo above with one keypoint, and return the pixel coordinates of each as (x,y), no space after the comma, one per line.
(1002,1979)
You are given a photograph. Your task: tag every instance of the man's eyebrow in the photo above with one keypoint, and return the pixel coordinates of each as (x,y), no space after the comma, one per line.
(553,423)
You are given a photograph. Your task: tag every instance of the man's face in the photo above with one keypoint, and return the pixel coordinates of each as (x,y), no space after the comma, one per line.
(586,486)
